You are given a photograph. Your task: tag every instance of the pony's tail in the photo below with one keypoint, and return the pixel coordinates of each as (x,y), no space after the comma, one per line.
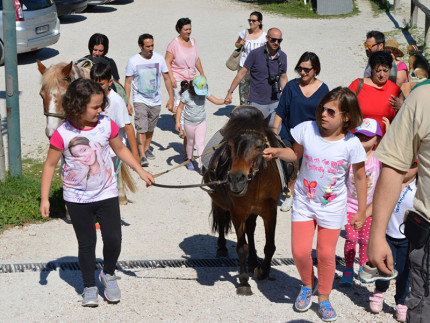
(127,179)
(220,220)
(185,85)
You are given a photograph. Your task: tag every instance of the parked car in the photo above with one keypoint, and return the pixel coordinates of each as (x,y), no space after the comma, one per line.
(66,7)
(92,3)
(37,25)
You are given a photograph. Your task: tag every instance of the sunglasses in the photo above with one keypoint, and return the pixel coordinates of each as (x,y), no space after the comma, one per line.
(331,112)
(274,40)
(369,47)
(299,69)
(252,20)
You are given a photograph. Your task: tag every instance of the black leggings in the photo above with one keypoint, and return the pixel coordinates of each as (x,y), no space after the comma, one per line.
(84,217)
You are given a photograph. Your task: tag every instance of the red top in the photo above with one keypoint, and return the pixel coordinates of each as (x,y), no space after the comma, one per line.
(374,102)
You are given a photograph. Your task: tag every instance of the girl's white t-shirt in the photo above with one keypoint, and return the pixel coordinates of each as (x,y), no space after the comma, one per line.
(405,202)
(88,173)
(320,189)
(250,45)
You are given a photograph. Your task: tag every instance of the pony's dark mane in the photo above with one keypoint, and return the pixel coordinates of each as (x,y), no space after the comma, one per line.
(247,121)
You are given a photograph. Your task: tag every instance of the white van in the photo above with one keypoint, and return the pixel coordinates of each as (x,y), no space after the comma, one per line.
(37,25)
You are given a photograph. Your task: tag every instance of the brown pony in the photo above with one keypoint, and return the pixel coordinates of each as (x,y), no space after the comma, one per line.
(253,188)
(55,81)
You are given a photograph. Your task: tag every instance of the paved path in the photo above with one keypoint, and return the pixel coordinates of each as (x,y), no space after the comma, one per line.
(174,224)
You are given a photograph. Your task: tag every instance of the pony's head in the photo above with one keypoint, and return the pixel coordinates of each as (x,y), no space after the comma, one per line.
(55,81)
(247,134)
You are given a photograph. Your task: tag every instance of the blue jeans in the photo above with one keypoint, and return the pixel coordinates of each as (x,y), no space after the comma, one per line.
(400,250)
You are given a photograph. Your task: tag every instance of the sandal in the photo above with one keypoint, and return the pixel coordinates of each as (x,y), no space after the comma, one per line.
(327,312)
(371,274)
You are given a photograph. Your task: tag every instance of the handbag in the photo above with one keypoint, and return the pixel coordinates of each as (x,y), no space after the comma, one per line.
(232,62)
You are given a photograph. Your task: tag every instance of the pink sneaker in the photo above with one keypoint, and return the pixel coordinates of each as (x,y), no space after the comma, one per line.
(401,312)
(376,301)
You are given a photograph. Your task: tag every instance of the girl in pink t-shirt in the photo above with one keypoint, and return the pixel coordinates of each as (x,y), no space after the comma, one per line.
(89,184)
(370,134)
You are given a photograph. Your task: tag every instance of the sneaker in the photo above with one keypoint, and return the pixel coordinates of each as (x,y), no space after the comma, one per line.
(190,166)
(303,300)
(347,278)
(286,205)
(90,297)
(149,155)
(144,162)
(327,312)
(112,291)
(401,312)
(371,274)
(377,302)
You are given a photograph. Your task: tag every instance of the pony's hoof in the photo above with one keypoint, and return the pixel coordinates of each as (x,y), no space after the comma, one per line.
(260,273)
(123,200)
(244,290)
(222,253)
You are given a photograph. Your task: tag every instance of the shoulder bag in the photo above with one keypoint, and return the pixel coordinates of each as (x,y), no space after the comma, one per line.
(232,62)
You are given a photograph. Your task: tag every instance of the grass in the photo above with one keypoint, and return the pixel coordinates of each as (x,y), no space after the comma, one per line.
(297,8)
(20,197)
(379,6)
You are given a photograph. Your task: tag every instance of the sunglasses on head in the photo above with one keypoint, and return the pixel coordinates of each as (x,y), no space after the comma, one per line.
(369,47)
(299,69)
(252,20)
(274,40)
(331,112)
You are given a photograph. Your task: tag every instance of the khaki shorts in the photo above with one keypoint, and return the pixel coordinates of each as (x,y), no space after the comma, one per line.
(145,117)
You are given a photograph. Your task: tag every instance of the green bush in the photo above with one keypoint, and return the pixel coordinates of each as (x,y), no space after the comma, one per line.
(20,197)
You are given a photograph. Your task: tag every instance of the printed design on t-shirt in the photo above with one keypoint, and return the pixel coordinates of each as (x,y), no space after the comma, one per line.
(87,171)
(310,187)
(322,166)
(147,79)
(370,175)
(329,196)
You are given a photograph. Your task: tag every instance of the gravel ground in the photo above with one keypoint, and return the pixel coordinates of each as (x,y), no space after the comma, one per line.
(174,224)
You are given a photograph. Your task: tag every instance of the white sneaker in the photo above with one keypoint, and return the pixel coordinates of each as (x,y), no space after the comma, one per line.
(286,205)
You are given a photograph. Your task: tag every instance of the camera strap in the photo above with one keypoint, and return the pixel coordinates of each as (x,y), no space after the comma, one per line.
(268,66)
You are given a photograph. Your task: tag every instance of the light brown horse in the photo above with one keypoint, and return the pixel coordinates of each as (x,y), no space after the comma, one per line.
(55,81)
(253,189)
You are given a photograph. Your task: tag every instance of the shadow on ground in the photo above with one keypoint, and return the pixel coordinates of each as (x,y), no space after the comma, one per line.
(279,288)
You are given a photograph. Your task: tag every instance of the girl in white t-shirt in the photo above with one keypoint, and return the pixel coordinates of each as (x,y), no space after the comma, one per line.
(89,184)
(191,115)
(250,39)
(327,147)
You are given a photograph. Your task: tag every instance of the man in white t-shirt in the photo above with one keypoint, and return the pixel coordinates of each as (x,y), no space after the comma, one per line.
(143,74)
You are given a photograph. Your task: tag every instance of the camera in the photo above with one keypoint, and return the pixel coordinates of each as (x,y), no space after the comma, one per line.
(274,82)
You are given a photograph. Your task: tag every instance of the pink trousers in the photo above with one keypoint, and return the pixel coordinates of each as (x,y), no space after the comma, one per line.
(352,237)
(195,135)
(302,234)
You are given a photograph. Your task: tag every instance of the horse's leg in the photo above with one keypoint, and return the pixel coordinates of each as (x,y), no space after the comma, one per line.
(269,218)
(242,251)
(121,191)
(251,223)
(221,220)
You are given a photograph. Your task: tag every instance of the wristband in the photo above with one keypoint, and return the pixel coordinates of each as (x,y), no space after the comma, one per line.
(230,91)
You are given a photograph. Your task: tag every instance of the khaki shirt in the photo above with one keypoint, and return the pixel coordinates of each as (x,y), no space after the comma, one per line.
(408,138)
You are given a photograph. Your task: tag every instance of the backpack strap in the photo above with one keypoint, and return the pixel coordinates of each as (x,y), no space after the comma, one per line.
(359,87)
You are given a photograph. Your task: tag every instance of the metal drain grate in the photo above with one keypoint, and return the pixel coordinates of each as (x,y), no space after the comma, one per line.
(150,264)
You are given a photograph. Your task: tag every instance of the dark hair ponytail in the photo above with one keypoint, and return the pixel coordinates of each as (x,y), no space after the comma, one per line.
(185,85)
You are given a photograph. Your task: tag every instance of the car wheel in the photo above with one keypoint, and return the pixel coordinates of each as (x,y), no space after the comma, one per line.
(1,53)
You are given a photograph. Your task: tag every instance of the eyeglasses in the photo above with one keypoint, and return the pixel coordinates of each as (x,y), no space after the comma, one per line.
(274,40)
(369,47)
(252,20)
(331,112)
(299,69)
